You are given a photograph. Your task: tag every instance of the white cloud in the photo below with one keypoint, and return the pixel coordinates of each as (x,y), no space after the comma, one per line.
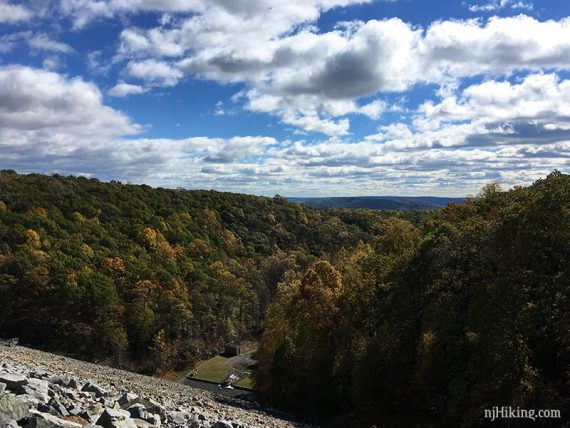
(43,42)
(293,11)
(43,111)
(155,72)
(538,98)
(123,89)
(500,4)
(13,13)
(294,71)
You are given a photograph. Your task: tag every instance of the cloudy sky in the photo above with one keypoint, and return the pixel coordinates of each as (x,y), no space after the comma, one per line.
(296,97)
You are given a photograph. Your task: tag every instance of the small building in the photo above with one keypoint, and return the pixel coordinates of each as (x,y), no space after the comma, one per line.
(232,349)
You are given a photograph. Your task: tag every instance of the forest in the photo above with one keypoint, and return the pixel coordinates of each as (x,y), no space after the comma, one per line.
(434,315)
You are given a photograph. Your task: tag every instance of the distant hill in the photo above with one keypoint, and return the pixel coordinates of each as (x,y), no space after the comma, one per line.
(379,202)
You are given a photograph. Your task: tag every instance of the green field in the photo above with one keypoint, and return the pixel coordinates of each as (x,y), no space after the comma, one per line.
(218,368)
(215,369)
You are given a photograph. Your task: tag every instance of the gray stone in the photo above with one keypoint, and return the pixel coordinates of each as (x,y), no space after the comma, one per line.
(138,411)
(108,402)
(64,380)
(12,380)
(178,418)
(222,424)
(37,389)
(114,418)
(39,374)
(45,408)
(154,407)
(127,398)
(45,420)
(8,423)
(94,388)
(2,388)
(153,419)
(13,408)
(59,407)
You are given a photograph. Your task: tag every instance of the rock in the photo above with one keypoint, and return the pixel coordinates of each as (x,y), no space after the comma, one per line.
(127,398)
(153,419)
(138,411)
(13,381)
(8,424)
(13,408)
(2,388)
(108,402)
(44,408)
(58,406)
(45,420)
(38,389)
(154,407)
(39,374)
(179,418)
(222,424)
(113,418)
(94,388)
(64,380)
(141,423)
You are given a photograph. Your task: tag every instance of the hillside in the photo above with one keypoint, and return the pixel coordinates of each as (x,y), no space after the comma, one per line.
(42,389)
(360,317)
(151,279)
(379,202)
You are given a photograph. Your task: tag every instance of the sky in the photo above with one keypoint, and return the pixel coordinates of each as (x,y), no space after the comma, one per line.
(297,97)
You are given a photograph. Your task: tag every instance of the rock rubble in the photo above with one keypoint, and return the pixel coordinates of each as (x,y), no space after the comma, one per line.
(42,390)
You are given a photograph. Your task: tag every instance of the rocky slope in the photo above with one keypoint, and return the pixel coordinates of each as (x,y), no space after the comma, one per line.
(42,390)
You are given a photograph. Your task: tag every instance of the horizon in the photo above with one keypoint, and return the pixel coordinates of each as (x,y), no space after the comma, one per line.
(351,98)
(109,181)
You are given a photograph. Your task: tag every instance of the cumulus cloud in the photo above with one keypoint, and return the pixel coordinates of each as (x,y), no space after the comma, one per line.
(43,42)
(295,11)
(45,115)
(155,72)
(500,4)
(123,89)
(302,75)
(13,13)
(50,121)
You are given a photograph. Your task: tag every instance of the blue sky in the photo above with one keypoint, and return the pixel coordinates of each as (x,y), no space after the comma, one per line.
(300,98)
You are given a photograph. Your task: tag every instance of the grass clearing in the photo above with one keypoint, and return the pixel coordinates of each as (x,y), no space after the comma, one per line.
(214,370)
(246,382)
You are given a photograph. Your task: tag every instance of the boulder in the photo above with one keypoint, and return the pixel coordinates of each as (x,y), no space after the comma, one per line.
(94,388)
(127,398)
(37,389)
(8,424)
(153,419)
(115,418)
(13,408)
(138,411)
(63,380)
(45,420)
(12,380)
(38,374)
(179,418)
(58,406)
(222,424)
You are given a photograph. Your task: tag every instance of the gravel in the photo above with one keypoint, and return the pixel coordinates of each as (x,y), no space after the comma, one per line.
(85,390)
